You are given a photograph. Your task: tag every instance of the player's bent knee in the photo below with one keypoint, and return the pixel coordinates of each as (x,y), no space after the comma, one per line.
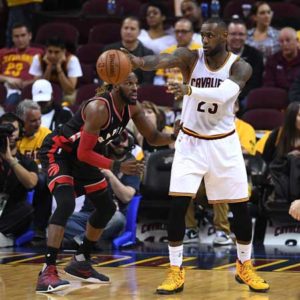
(65,199)
(105,208)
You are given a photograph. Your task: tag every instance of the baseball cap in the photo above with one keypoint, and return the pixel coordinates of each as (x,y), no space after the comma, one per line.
(41,90)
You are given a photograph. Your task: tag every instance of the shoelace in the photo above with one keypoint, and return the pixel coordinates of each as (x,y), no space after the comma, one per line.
(172,278)
(51,272)
(251,274)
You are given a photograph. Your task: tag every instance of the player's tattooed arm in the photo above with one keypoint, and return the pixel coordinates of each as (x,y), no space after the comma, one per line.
(241,71)
(182,58)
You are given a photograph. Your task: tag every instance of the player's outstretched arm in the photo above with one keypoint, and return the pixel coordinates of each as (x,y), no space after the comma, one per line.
(240,73)
(147,129)
(182,58)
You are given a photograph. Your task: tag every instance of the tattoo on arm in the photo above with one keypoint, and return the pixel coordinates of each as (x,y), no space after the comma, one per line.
(181,58)
(241,71)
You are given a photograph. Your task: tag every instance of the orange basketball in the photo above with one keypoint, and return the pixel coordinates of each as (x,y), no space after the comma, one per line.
(113,66)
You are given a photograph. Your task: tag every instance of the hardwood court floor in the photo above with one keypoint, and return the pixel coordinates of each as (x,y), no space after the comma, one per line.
(18,282)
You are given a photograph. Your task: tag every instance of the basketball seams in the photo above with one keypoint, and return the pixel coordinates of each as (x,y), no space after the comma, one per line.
(119,65)
(116,61)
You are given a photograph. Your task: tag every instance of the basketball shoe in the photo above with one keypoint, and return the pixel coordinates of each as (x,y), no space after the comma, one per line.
(246,274)
(49,281)
(84,271)
(174,282)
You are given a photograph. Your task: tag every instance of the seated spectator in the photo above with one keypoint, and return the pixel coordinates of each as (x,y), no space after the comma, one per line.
(58,66)
(122,187)
(15,63)
(237,35)
(18,175)
(263,36)
(158,119)
(191,10)
(184,38)
(282,153)
(130,31)
(53,114)
(20,11)
(282,67)
(29,145)
(156,37)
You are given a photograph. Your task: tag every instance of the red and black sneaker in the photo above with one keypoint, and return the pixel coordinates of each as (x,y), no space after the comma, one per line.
(84,271)
(49,281)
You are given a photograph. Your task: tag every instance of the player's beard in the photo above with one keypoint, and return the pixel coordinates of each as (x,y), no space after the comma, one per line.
(125,98)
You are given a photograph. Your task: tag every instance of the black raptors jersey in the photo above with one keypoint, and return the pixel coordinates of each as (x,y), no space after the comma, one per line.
(70,132)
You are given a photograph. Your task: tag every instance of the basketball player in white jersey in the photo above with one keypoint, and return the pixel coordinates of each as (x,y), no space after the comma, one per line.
(208,146)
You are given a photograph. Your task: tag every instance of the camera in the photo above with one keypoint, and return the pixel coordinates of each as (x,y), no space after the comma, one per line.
(6,130)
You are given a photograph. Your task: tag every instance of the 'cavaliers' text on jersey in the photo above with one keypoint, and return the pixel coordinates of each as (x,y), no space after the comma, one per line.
(208,118)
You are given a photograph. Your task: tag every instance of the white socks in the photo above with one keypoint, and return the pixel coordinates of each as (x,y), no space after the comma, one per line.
(175,255)
(243,252)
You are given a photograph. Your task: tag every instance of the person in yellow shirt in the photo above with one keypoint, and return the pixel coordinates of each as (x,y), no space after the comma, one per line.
(20,11)
(29,145)
(184,37)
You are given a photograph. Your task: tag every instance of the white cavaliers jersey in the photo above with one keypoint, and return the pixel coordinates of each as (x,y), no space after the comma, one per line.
(203,118)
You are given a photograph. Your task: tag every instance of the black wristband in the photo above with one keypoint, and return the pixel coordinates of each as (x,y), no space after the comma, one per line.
(173,137)
(116,167)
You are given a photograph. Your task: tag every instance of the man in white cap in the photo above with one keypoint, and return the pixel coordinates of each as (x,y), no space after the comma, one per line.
(53,114)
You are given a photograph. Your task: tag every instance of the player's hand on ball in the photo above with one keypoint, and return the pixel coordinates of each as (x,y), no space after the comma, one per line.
(136,62)
(132,167)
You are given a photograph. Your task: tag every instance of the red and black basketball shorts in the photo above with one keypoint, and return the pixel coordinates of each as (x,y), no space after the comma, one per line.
(63,167)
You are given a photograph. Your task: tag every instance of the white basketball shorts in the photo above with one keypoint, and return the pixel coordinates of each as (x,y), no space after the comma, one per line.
(219,161)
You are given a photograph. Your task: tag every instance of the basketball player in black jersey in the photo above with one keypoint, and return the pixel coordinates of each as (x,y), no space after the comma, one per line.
(72,157)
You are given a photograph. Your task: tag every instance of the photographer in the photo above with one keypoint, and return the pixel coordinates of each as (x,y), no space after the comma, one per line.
(17,175)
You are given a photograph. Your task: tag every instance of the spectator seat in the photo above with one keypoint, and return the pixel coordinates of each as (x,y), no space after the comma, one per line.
(128,237)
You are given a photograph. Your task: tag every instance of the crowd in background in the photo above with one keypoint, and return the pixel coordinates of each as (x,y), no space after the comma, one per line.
(40,88)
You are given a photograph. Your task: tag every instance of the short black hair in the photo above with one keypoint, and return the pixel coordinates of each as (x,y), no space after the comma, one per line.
(10,117)
(159,5)
(237,21)
(132,18)
(19,25)
(56,41)
(218,21)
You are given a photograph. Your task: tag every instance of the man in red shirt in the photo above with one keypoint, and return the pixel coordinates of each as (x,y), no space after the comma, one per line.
(282,68)
(15,63)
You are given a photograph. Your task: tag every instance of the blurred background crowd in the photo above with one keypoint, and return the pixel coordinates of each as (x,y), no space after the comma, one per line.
(48,52)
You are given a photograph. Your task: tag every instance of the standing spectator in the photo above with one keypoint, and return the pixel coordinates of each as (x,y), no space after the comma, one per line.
(282,67)
(15,63)
(237,35)
(156,37)
(17,174)
(263,36)
(29,145)
(58,66)
(191,10)
(53,114)
(122,188)
(20,11)
(130,31)
(184,38)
